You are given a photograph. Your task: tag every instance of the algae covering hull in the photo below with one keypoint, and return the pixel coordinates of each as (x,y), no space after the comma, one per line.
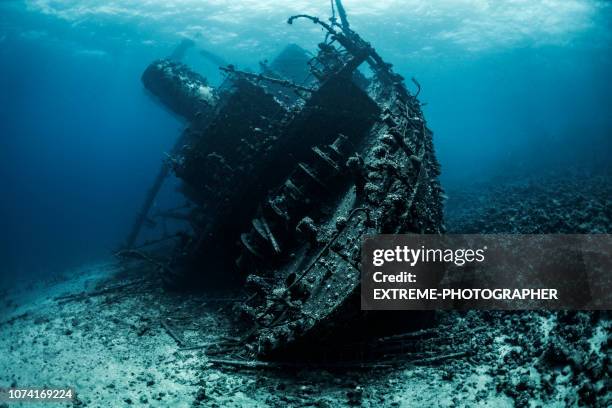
(388,184)
(287,177)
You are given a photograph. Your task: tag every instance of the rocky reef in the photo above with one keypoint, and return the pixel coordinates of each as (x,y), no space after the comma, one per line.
(560,357)
(570,202)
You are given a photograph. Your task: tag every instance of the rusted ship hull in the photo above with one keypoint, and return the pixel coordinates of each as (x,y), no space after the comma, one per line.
(287,178)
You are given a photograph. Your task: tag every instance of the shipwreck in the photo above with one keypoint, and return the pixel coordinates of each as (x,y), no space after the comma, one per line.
(285,170)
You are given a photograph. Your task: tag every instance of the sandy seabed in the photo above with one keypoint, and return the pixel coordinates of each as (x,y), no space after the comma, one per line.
(114,348)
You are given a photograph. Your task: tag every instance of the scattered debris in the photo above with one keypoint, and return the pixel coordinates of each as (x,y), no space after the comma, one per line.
(166,325)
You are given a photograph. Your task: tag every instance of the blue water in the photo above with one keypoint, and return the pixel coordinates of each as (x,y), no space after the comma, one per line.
(511,87)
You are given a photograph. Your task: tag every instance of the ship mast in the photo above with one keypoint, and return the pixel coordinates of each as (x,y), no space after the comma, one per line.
(342,14)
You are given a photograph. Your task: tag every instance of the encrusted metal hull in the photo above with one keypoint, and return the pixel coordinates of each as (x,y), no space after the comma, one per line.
(388,185)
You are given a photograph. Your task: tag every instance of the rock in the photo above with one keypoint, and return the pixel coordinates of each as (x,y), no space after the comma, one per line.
(201,395)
